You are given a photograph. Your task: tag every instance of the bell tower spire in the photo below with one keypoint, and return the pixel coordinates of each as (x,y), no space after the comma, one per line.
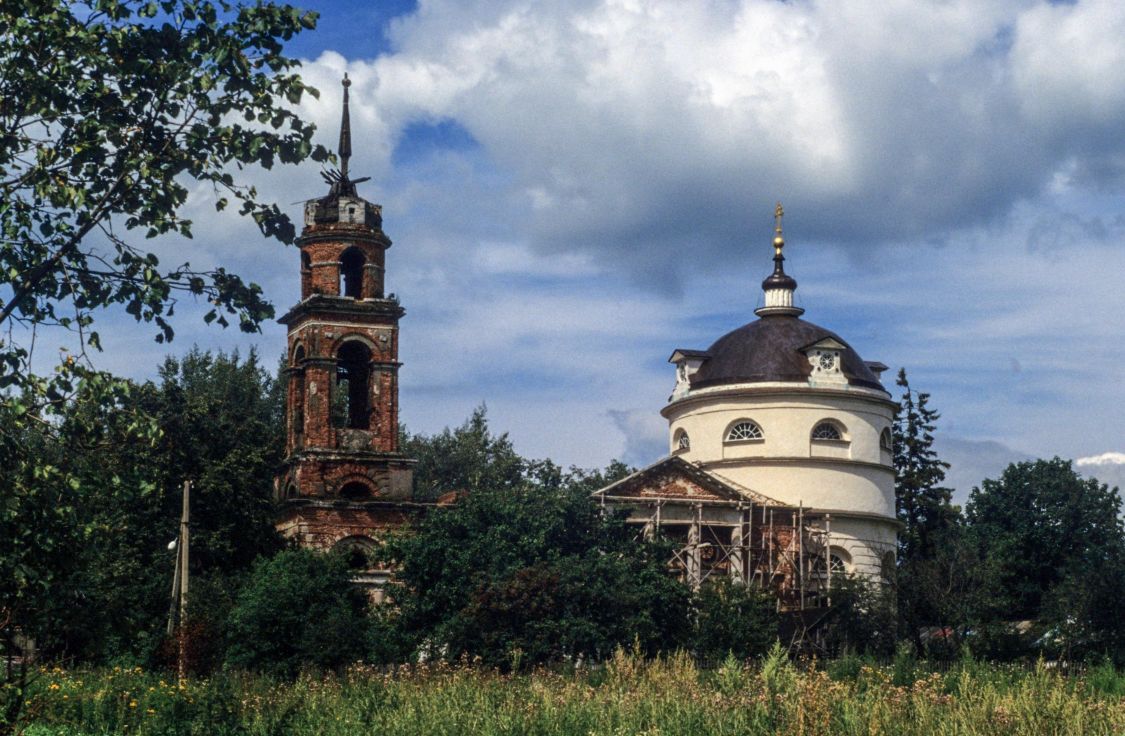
(344,149)
(779,286)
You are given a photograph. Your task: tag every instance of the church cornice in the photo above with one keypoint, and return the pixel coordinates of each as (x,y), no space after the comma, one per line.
(775,388)
(845,514)
(793,460)
(336,232)
(343,504)
(326,453)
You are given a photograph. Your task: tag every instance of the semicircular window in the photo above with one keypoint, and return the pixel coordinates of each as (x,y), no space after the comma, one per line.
(744,430)
(827,431)
(355,491)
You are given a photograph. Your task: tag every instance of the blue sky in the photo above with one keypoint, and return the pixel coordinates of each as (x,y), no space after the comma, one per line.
(575,188)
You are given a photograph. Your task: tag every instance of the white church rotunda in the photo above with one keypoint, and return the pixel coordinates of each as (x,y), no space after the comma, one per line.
(795,427)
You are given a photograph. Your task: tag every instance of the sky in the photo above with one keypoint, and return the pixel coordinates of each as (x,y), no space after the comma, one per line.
(575,188)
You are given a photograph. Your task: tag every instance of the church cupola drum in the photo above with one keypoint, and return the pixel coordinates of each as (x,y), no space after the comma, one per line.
(344,477)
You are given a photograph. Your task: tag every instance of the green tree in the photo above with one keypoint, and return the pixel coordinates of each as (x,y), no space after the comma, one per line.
(924,506)
(1057,542)
(217,421)
(953,587)
(538,571)
(863,618)
(524,562)
(111,109)
(298,609)
(464,460)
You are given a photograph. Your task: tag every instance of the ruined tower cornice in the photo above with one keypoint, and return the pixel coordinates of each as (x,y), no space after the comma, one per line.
(321,305)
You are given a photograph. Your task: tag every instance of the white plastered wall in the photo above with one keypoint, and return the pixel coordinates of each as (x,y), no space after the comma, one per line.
(852,479)
(865,541)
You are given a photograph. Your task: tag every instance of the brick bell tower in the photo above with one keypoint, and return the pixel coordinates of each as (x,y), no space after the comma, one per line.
(344,478)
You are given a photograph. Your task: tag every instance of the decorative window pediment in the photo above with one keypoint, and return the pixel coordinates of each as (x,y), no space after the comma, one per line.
(826,358)
(687,362)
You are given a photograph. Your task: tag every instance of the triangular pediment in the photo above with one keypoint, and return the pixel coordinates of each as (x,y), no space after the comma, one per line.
(827,343)
(672,479)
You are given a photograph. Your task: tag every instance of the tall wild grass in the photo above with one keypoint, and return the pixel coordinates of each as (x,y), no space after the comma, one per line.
(629,695)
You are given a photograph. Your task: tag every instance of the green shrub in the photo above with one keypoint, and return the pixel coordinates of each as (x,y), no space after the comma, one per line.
(298,609)
(533,575)
(734,619)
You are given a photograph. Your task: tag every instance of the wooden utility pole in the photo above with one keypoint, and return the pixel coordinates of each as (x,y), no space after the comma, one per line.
(174,606)
(182,573)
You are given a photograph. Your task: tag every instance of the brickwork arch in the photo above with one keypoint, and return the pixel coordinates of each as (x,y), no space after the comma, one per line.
(356,487)
(358,549)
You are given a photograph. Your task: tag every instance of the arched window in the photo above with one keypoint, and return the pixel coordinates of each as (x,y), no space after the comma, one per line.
(744,430)
(828,432)
(888,566)
(885,440)
(299,390)
(351,273)
(355,491)
(306,261)
(350,406)
(839,562)
(682,441)
(359,551)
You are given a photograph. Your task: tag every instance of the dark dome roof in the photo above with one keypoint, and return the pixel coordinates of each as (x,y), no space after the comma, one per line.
(769,349)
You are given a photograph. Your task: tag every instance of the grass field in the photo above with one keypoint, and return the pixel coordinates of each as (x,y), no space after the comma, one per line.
(627,696)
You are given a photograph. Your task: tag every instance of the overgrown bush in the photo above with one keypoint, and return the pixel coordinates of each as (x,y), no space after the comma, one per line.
(298,609)
(532,575)
(735,620)
(863,618)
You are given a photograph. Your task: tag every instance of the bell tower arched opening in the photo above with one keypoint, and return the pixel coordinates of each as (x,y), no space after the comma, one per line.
(351,407)
(298,373)
(352,262)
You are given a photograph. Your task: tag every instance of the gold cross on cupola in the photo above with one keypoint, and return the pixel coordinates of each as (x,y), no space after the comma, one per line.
(779,239)
(779,286)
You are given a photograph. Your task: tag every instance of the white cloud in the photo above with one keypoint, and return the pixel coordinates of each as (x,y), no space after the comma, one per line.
(1106,458)
(951,173)
(1069,64)
(874,120)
